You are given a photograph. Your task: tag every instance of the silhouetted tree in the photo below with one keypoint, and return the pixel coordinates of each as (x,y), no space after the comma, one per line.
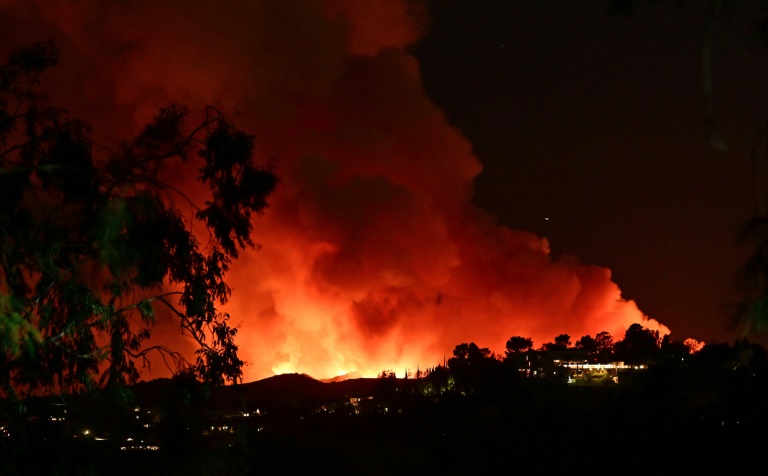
(750,358)
(590,345)
(472,365)
(563,341)
(673,351)
(436,379)
(469,355)
(753,312)
(386,374)
(386,386)
(517,344)
(516,355)
(640,346)
(92,244)
(605,346)
(587,343)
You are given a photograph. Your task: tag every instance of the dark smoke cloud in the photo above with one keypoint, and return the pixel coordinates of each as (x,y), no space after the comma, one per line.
(372,255)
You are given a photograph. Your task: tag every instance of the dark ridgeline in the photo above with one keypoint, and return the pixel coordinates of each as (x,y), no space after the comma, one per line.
(693,411)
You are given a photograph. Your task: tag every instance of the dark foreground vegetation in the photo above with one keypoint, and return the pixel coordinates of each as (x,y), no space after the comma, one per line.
(72,279)
(708,412)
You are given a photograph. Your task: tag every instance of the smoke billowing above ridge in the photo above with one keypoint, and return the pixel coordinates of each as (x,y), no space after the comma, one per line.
(372,255)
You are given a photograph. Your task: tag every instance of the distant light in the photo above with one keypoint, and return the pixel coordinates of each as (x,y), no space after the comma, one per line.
(546,218)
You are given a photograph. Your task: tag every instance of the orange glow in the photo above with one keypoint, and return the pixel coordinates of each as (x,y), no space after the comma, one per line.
(372,256)
(694,345)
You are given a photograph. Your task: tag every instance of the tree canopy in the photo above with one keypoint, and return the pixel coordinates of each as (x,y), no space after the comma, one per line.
(640,345)
(517,344)
(93,245)
(562,341)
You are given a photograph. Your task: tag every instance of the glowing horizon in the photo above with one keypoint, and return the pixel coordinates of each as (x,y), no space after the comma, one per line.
(372,256)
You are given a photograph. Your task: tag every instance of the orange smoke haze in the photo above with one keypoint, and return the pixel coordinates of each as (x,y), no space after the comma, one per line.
(372,255)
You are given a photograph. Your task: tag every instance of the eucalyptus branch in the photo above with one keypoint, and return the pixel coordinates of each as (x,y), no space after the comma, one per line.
(25,97)
(200,339)
(178,359)
(79,294)
(179,149)
(146,179)
(152,299)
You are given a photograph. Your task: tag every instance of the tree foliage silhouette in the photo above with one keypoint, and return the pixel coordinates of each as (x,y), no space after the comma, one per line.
(587,343)
(605,346)
(562,342)
(472,365)
(640,346)
(92,245)
(518,344)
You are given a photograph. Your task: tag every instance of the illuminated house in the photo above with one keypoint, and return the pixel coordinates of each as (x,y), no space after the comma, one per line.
(571,365)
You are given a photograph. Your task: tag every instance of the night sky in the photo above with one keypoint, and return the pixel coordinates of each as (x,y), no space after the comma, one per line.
(450,171)
(595,121)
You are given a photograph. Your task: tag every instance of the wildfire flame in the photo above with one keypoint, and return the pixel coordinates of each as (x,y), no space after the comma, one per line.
(372,256)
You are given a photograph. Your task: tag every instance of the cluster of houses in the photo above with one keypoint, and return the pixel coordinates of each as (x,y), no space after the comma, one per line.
(569,365)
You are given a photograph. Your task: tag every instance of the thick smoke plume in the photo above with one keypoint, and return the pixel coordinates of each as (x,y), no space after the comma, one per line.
(372,256)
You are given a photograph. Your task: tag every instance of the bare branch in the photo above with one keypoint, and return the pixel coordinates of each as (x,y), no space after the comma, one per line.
(179,361)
